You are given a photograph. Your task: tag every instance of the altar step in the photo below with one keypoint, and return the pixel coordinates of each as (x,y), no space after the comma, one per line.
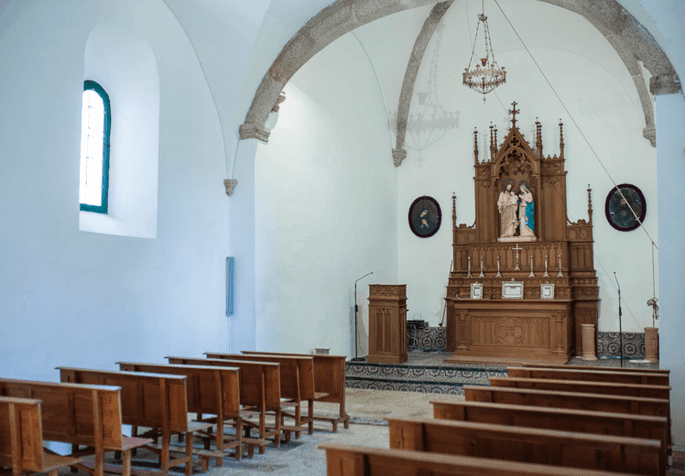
(425,372)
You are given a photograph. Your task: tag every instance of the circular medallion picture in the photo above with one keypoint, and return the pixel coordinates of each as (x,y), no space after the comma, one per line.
(618,207)
(425,217)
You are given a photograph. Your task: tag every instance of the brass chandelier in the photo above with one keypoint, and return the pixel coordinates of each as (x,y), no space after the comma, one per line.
(487,74)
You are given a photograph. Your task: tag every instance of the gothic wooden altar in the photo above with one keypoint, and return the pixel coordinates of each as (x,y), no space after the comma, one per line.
(554,252)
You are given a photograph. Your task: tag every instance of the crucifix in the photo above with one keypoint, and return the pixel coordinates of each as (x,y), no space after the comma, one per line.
(513,113)
(517,248)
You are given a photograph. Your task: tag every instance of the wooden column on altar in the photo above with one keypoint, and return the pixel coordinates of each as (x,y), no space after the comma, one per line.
(387,323)
(516,186)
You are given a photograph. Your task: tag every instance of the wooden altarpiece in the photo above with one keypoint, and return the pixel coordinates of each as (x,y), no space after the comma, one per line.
(533,327)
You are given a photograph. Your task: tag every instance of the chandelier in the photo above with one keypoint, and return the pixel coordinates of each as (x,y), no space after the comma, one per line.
(487,75)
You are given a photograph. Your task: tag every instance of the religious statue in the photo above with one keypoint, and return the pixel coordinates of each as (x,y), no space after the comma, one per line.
(526,212)
(506,204)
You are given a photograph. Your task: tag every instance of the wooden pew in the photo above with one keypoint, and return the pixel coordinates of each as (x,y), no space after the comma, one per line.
(580,401)
(629,370)
(88,415)
(297,385)
(589,375)
(582,386)
(209,390)
(260,391)
(344,460)
(329,383)
(532,445)
(563,419)
(21,439)
(627,379)
(158,402)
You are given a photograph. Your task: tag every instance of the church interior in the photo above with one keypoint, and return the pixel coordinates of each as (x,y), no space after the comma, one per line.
(265,158)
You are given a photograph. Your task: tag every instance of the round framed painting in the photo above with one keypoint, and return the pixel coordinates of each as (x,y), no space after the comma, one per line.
(618,207)
(425,217)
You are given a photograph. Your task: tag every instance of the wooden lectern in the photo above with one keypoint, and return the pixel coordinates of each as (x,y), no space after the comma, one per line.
(387,323)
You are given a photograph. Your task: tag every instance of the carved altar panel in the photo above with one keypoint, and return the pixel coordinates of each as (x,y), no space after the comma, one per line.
(511,331)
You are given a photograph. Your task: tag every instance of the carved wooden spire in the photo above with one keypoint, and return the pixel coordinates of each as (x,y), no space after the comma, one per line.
(454,210)
(475,145)
(513,113)
(538,137)
(589,203)
(561,139)
(492,142)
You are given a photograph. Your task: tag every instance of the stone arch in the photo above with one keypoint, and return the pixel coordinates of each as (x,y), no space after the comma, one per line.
(632,42)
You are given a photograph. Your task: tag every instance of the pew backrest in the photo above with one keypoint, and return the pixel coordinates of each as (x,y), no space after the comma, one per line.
(582,386)
(72,413)
(148,400)
(558,448)
(580,401)
(297,372)
(260,383)
(562,419)
(21,434)
(342,460)
(628,370)
(592,375)
(329,374)
(211,390)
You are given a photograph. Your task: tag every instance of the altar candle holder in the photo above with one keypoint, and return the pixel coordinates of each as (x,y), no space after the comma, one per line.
(531,275)
(560,275)
(481,268)
(498,275)
(546,275)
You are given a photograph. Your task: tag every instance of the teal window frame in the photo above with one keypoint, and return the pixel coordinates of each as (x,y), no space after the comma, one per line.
(102,208)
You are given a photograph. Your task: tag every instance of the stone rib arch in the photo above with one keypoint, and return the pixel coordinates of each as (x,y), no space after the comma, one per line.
(632,42)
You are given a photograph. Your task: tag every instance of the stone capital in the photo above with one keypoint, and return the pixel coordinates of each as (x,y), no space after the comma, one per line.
(230,185)
(254,131)
(649,133)
(665,84)
(398,155)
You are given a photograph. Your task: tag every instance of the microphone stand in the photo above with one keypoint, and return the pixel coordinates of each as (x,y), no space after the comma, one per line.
(356,310)
(620,327)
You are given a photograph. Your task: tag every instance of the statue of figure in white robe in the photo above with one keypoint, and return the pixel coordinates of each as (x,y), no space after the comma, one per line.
(507,204)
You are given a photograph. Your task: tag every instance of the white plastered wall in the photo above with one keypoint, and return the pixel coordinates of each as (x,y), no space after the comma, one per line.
(69,297)
(325,206)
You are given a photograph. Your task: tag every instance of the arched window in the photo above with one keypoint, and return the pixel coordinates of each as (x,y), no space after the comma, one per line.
(96,121)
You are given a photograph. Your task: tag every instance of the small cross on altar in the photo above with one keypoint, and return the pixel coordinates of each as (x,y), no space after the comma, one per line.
(517,248)
(513,113)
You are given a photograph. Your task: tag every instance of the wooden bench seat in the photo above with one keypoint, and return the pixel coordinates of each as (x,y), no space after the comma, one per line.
(209,390)
(583,386)
(531,445)
(155,401)
(344,460)
(297,386)
(563,419)
(329,383)
(589,375)
(81,415)
(259,390)
(21,439)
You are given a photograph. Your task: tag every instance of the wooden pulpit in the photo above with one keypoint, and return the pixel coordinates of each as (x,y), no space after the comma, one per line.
(387,323)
